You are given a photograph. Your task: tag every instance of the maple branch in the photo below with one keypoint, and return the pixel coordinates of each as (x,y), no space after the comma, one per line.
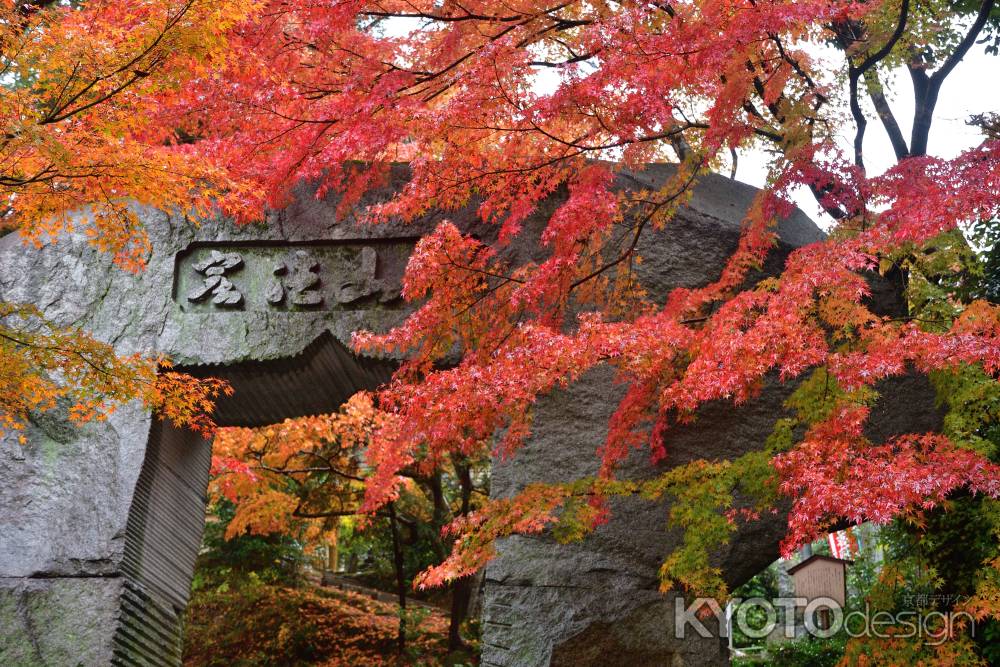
(49,119)
(66,352)
(758,86)
(562,63)
(638,232)
(510,332)
(917,319)
(443,17)
(427,76)
(309,469)
(65,86)
(672,133)
(61,113)
(44,175)
(569,49)
(797,68)
(879,55)
(472,269)
(485,294)
(302,514)
(819,193)
(970,38)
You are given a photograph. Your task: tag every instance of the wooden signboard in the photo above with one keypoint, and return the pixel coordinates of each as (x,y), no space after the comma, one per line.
(821,576)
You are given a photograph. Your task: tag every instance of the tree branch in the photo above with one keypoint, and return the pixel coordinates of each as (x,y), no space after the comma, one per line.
(856,72)
(926,88)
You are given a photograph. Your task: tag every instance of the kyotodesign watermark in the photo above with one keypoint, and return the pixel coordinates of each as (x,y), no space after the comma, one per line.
(757,618)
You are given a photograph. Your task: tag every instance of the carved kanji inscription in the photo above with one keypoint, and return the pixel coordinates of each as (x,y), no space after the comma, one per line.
(291,277)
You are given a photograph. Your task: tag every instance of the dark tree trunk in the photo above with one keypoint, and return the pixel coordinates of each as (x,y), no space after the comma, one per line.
(461,593)
(397,557)
(441,514)
(462,588)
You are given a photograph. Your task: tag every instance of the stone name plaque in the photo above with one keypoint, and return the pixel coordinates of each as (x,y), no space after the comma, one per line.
(344,275)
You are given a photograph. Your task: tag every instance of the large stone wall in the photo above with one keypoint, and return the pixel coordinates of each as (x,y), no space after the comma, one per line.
(101,522)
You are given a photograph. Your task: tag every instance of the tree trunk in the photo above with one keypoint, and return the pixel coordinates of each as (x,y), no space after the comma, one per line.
(462,588)
(461,593)
(332,550)
(397,557)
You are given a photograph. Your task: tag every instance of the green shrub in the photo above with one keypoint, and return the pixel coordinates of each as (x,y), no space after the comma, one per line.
(806,652)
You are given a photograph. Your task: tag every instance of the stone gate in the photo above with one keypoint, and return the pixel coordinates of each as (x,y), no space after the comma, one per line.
(100,524)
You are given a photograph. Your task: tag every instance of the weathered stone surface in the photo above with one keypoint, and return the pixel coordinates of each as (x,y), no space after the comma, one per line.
(579,604)
(95,558)
(58,621)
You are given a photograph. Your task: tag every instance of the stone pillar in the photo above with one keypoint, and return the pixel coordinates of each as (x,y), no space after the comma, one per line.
(162,539)
(66,495)
(99,547)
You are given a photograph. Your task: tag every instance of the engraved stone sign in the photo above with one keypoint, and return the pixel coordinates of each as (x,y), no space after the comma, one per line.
(346,275)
